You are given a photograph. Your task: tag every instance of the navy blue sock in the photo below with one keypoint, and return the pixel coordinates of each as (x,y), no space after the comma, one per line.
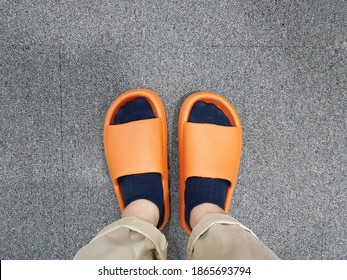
(202,190)
(140,186)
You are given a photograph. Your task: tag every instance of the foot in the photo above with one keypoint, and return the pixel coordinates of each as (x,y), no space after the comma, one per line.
(143,209)
(142,193)
(201,210)
(205,195)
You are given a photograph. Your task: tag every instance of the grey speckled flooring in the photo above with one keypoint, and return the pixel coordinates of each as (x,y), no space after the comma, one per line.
(282,64)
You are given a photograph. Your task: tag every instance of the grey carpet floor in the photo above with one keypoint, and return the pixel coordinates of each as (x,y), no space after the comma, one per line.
(282,64)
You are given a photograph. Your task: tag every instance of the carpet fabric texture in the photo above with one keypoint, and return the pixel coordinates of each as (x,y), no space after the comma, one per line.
(282,64)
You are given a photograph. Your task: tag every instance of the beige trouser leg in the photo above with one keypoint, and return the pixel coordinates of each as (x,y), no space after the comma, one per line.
(126,239)
(219,236)
(216,236)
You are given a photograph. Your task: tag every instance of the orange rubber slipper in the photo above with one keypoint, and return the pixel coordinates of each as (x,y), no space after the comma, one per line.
(208,150)
(137,147)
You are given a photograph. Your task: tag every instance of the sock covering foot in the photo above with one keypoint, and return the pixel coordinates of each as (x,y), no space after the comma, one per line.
(205,190)
(140,186)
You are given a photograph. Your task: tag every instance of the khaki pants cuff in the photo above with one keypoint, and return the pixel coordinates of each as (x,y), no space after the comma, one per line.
(205,223)
(138,227)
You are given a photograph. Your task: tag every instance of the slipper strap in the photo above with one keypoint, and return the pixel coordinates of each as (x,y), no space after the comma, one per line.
(134,148)
(211,151)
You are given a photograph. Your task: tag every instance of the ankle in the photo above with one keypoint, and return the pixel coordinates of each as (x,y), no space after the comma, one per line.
(142,209)
(201,210)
